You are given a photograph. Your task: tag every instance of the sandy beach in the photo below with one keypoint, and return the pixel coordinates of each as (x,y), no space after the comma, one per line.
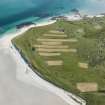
(24,79)
(17,88)
(15,92)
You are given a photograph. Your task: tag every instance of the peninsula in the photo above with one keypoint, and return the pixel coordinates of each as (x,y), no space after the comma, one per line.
(68,54)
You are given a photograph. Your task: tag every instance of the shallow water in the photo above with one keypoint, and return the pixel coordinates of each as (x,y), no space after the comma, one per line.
(13,12)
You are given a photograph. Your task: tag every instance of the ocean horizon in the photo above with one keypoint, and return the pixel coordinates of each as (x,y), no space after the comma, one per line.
(14,12)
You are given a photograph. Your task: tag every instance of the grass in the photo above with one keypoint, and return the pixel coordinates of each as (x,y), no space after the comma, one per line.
(90,49)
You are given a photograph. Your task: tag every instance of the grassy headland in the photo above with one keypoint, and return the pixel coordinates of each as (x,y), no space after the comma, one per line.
(68,53)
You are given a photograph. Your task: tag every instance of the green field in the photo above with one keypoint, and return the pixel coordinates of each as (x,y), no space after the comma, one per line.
(89,49)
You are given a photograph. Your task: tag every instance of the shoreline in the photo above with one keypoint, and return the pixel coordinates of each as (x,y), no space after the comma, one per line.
(32,78)
(5,40)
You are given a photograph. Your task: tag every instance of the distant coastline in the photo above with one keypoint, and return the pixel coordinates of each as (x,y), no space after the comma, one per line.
(8,21)
(75,16)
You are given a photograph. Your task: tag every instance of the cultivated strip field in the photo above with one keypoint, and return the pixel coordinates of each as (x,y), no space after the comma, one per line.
(55,63)
(52,47)
(87,87)
(83,65)
(52,43)
(57,40)
(49,54)
(55,35)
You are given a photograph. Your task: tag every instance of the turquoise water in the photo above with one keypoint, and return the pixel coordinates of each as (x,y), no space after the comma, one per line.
(14,12)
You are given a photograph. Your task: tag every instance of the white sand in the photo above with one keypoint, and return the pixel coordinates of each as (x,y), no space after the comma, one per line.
(6,41)
(78,17)
(73,17)
(25,73)
(83,65)
(15,92)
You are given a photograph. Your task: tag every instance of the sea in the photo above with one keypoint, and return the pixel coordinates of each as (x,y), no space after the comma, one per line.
(15,12)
